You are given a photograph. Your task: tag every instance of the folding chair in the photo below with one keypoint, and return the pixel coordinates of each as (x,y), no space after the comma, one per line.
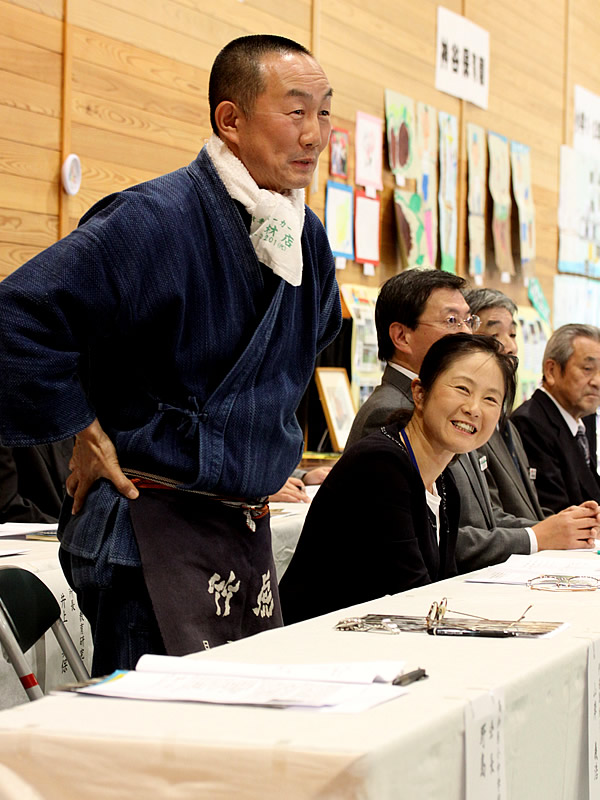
(27,610)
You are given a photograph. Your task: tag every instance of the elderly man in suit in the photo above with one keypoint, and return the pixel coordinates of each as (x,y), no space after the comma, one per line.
(413,310)
(551,425)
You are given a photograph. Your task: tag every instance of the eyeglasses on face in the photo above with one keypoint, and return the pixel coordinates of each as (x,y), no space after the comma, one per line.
(453,323)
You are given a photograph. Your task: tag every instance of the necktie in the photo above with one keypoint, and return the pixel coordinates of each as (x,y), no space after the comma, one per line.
(582,441)
(508,439)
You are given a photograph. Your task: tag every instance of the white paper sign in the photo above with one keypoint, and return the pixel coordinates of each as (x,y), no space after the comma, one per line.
(586,124)
(484,748)
(463,58)
(594,719)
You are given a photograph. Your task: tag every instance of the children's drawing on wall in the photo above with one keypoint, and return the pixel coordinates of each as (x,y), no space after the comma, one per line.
(427,156)
(477,161)
(339,145)
(520,160)
(408,208)
(447,189)
(339,201)
(499,183)
(400,119)
(366,229)
(369,146)
(579,213)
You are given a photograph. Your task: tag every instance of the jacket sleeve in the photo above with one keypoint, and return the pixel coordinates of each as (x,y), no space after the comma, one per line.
(54,309)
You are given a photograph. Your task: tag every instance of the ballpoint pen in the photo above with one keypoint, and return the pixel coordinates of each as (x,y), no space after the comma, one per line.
(405,678)
(504,634)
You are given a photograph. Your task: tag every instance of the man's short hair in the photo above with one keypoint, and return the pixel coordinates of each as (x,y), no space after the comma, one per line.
(482,299)
(236,74)
(560,344)
(403,298)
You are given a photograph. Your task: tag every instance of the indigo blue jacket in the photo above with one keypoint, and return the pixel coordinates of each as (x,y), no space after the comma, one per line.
(155,316)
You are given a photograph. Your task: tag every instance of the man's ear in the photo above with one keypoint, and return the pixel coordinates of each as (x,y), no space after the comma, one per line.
(400,336)
(551,371)
(227,119)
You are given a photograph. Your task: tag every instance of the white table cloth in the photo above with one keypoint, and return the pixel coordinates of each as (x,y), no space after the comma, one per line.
(90,748)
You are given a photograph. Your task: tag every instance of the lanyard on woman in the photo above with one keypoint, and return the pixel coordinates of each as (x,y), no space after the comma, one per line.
(406,441)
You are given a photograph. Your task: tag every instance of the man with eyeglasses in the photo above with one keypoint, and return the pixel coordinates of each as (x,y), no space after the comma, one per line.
(415,309)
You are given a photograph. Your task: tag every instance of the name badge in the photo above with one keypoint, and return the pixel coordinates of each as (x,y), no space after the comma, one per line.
(532,473)
(483,463)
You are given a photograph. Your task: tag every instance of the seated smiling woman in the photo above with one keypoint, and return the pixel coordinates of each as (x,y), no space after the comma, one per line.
(386,517)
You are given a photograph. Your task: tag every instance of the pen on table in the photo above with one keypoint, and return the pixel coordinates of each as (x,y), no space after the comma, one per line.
(464,632)
(409,677)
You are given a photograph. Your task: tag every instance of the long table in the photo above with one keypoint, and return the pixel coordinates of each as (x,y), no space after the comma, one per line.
(91,748)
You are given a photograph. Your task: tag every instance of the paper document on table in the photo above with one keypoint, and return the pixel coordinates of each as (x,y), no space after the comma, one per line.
(21,528)
(519,569)
(12,552)
(344,672)
(239,690)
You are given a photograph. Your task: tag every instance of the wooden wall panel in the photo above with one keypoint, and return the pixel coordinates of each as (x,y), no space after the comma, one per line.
(138,86)
(30,113)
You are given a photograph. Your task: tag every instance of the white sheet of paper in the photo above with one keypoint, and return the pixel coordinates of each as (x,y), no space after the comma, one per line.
(519,569)
(484,748)
(593,676)
(21,528)
(239,690)
(12,553)
(340,672)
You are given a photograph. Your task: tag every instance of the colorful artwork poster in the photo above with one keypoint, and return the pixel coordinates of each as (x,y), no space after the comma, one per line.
(579,213)
(368,151)
(448,127)
(520,160)
(408,208)
(499,183)
(339,147)
(366,229)
(476,226)
(427,154)
(400,120)
(339,201)
(477,162)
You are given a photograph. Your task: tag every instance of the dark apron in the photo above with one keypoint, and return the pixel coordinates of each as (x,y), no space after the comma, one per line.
(210,577)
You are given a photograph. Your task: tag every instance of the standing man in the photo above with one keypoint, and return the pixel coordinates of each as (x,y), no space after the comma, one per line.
(175,332)
(550,423)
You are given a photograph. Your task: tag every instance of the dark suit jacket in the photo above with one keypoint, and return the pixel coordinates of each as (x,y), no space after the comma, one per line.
(367,533)
(563,478)
(393,392)
(32,481)
(511,487)
(590,430)
(487,534)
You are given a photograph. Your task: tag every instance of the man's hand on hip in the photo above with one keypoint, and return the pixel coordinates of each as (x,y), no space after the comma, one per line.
(94,457)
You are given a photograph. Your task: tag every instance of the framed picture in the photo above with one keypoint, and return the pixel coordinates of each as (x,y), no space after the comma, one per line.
(336,398)
(339,146)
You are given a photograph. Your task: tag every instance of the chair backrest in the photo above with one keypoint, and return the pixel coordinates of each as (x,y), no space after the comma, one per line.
(27,610)
(30,607)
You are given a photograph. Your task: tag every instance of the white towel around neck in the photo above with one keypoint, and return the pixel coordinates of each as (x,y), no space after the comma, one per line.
(277,219)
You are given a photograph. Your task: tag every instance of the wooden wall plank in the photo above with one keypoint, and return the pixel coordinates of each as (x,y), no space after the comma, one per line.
(49,8)
(26,126)
(27,228)
(29,161)
(29,60)
(28,194)
(31,27)
(27,94)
